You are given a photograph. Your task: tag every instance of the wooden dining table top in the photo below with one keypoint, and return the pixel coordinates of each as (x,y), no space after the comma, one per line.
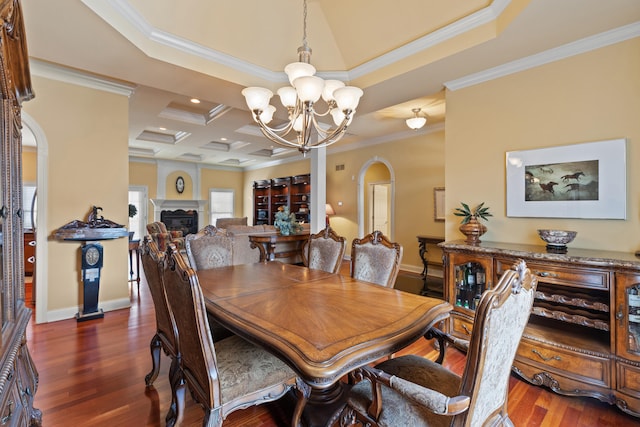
(323,325)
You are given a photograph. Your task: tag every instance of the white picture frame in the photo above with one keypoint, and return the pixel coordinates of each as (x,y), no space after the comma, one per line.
(585,180)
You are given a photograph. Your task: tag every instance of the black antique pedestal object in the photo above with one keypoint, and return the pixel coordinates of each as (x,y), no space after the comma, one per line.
(95,229)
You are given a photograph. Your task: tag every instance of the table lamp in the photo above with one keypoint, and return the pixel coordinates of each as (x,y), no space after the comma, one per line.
(329,211)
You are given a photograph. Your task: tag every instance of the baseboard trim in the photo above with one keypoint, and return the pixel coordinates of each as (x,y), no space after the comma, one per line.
(70,312)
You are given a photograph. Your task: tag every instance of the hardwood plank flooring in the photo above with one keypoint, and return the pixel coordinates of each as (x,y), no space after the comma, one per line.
(92,374)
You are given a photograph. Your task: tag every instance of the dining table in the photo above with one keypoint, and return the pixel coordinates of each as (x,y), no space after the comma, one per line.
(323,325)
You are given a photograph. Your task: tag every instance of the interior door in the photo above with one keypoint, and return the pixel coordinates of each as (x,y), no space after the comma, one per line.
(380,207)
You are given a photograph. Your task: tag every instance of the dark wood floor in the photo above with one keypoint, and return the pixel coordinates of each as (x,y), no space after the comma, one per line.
(92,374)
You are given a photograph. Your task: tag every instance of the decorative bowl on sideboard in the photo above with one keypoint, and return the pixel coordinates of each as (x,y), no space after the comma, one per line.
(557,240)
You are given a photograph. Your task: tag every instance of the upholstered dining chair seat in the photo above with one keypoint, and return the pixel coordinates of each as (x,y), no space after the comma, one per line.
(244,367)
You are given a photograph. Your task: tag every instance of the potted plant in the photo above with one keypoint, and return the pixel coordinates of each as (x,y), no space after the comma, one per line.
(132,212)
(470,226)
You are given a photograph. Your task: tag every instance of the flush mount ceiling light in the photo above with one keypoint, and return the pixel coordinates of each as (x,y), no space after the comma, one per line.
(300,101)
(417,121)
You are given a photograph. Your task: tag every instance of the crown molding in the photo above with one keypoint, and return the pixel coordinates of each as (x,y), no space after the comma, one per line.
(67,75)
(466,24)
(578,47)
(143,27)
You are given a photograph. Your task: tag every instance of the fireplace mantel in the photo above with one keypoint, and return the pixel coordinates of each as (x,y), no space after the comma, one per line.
(173,204)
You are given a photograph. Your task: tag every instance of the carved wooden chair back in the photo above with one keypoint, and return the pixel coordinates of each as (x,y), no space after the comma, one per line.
(226,376)
(324,251)
(211,247)
(152,263)
(165,338)
(376,259)
(417,390)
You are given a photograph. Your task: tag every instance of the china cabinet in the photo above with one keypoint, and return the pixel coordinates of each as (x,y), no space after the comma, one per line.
(300,197)
(18,375)
(583,336)
(261,202)
(280,188)
(292,192)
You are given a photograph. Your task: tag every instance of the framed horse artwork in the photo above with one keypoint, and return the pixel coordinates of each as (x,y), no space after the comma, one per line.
(585,180)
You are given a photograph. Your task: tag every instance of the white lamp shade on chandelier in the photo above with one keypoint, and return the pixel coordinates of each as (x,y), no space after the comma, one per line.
(300,101)
(416,122)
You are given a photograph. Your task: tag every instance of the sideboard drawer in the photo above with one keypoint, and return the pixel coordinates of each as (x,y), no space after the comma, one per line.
(574,277)
(460,327)
(583,367)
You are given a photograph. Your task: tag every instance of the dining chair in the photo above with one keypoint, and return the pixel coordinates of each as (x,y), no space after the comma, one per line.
(324,251)
(412,390)
(164,338)
(159,233)
(230,374)
(376,259)
(211,247)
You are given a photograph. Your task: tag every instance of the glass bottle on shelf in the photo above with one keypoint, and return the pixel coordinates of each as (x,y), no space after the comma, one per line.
(633,297)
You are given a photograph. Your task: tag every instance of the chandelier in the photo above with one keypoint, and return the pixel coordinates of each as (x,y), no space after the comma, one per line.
(300,99)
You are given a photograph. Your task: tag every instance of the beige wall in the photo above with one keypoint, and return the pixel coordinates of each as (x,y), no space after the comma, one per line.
(145,174)
(87,137)
(29,166)
(589,97)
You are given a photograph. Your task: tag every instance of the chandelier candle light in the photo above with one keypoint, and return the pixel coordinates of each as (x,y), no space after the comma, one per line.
(300,101)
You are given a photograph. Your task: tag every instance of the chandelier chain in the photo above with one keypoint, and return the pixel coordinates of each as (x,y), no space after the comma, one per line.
(304,25)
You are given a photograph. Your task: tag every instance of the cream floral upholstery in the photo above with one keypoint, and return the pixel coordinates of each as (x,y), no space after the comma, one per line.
(416,391)
(211,247)
(375,259)
(324,251)
(229,375)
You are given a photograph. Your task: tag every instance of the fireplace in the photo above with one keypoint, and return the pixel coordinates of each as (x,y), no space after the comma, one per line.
(181,207)
(180,220)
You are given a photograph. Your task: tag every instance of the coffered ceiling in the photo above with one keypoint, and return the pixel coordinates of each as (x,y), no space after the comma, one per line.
(402,54)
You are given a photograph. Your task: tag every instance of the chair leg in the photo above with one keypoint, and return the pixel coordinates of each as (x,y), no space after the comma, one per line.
(178,392)
(303,391)
(155,346)
(212,418)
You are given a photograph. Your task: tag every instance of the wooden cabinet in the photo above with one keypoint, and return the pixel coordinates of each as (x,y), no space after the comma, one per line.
(18,375)
(280,188)
(583,336)
(261,202)
(292,192)
(300,197)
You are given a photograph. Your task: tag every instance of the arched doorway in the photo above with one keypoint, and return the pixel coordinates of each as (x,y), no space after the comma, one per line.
(376,197)
(40,277)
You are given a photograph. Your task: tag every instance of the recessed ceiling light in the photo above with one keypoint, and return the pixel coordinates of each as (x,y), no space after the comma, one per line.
(195,100)
(223,139)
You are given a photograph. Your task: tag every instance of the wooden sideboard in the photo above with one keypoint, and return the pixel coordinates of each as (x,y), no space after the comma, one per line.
(583,336)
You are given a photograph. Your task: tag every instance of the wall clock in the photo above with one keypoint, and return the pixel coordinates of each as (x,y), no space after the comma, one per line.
(180,184)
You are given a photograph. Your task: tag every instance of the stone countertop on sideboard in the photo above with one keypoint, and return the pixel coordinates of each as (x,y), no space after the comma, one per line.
(595,257)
